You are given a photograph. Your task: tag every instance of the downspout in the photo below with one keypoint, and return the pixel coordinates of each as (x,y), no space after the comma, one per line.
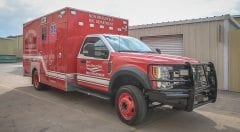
(225,55)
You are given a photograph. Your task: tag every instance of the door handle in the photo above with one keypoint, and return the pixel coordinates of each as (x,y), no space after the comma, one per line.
(83,61)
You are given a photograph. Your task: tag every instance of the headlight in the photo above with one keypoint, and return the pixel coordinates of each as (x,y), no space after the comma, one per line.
(169,76)
(161,72)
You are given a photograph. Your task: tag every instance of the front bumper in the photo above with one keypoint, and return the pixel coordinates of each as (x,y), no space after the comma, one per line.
(194,95)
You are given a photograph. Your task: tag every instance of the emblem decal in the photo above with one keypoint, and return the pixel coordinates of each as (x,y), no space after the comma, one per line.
(53,28)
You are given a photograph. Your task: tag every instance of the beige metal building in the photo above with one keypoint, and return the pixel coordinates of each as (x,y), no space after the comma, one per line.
(18,42)
(6,46)
(215,39)
(11,46)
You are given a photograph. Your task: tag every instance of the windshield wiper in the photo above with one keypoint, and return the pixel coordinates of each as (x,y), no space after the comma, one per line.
(128,51)
(149,52)
(136,51)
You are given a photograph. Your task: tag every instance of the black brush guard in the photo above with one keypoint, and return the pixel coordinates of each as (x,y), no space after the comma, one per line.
(197,93)
(200,95)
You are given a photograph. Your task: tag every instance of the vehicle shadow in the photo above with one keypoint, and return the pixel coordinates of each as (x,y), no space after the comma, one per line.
(156,120)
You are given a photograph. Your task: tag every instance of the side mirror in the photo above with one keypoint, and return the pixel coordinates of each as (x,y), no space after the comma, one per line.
(105,54)
(88,50)
(158,50)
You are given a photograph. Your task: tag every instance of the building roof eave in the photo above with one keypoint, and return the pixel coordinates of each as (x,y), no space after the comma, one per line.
(207,19)
(6,38)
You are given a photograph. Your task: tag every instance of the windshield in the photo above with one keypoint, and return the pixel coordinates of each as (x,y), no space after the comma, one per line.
(127,44)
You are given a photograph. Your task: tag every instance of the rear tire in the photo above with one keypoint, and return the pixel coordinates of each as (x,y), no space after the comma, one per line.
(130,105)
(35,81)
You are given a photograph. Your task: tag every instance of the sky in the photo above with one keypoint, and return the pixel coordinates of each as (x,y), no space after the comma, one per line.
(13,13)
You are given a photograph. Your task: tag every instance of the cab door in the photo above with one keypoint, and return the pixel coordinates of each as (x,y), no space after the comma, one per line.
(93,64)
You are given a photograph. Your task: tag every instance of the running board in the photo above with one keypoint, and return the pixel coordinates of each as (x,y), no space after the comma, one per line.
(93,93)
(73,86)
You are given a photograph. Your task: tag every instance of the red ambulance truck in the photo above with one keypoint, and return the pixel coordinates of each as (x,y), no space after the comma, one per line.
(75,50)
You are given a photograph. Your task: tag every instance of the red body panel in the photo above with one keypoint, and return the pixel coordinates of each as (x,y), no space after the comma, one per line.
(142,60)
(56,56)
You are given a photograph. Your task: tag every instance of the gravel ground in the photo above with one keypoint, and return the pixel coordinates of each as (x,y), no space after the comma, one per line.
(23,109)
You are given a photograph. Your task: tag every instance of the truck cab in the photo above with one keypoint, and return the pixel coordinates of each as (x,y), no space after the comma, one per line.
(75,50)
(121,65)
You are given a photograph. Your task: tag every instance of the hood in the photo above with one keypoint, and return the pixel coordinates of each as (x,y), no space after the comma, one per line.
(154,58)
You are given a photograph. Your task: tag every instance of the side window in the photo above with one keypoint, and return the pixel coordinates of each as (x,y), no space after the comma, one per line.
(95,47)
(44,33)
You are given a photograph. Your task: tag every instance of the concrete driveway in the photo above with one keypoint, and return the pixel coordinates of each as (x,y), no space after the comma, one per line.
(23,109)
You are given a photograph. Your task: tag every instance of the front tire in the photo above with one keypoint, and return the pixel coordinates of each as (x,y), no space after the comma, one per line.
(130,105)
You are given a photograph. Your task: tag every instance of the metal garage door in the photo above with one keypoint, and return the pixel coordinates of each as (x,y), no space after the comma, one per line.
(167,44)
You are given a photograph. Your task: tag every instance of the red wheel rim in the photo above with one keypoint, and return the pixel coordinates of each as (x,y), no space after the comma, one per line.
(126,106)
(35,80)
